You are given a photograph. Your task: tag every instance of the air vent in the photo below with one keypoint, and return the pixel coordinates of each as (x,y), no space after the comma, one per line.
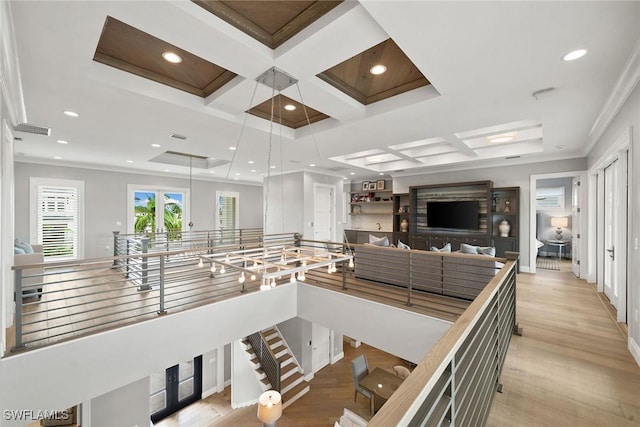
(27,128)
(178,136)
(17,138)
(512,157)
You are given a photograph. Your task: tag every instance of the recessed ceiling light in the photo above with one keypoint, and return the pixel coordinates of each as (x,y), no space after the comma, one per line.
(273,167)
(166,170)
(381,173)
(71,113)
(253,170)
(232,148)
(57,157)
(344,177)
(237,174)
(156,145)
(313,165)
(129,161)
(212,171)
(61,141)
(289,107)
(352,173)
(378,69)
(251,162)
(172,57)
(235,179)
(503,137)
(575,54)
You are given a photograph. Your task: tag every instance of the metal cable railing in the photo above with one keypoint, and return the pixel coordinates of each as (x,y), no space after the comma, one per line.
(456,382)
(62,300)
(268,361)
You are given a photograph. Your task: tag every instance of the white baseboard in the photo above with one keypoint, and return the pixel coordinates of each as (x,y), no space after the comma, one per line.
(337,357)
(209,392)
(634,348)
(244,404)
(309,377)
(525,269)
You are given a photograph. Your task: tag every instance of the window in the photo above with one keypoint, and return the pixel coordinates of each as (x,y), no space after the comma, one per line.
(550,199)
(57,208)
(152,210)
(227,211)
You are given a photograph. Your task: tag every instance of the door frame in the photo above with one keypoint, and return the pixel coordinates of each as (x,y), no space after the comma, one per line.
(332,188)
(174,393)
(533,180)
(620,149)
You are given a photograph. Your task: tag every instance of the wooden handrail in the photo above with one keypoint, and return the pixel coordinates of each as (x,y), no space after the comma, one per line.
(405,402)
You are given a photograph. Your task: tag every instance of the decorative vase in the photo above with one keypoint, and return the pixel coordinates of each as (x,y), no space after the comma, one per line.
(507,205)
(404,225)
(504,227)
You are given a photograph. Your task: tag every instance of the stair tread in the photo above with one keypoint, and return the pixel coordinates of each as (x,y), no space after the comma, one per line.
(268,332)
(278,349)
(294,391)
(284,357)
(286,369)
(265,381)
(290,380)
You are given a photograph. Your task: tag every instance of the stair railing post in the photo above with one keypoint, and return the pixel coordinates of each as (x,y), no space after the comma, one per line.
(162,307)
(18,298)
(116,252)
(344,275)
(145,264)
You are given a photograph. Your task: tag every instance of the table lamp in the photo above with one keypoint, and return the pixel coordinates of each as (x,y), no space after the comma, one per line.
(559,223)
(269,407)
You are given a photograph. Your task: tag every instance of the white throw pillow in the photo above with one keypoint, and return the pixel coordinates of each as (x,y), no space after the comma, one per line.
(468,249)
(487,250)
(378,241)
(446,248)
(403,246)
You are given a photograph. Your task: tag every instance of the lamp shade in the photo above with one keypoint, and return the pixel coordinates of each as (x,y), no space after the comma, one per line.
(269,406)
(560,222)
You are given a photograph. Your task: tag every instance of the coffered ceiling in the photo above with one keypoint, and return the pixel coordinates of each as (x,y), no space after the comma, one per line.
(457,91)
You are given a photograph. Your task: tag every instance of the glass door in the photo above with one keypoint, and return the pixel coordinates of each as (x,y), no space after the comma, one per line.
(175,388)
(157,211)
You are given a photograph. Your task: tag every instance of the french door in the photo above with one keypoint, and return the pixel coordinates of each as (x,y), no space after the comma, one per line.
(575,223)
(323,213)
(157,210)
(175,388)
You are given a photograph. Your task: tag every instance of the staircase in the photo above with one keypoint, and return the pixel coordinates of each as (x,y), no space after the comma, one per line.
(292,382)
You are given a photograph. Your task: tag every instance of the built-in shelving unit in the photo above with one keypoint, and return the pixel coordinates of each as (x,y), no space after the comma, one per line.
(505,206)
(401,212)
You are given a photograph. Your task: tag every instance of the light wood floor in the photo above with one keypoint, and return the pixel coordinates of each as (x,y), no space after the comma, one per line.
(571,367)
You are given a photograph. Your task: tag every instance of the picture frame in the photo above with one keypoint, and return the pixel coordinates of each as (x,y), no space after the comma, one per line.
(380,184)
(365,185)
(372,186)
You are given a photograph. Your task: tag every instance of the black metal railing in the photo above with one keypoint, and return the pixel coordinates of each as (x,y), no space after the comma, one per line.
(268,360)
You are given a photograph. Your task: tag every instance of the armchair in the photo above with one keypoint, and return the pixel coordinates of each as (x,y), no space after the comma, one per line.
(31,286)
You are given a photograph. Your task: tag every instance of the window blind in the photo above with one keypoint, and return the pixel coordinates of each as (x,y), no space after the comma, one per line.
(57,221)
(227,212)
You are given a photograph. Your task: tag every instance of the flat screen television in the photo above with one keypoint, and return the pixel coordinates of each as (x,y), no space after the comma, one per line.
(462,215)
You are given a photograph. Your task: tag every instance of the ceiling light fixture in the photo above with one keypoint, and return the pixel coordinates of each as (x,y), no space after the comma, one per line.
(129,161)
(574,54)
(232,148)
(276,262)
(313,165)
(503,137)
(156,145)
(381,173)
(71,113)
(57,157)
(62,141)
(172,57)
(352,173)
(378,69)
(251,162)
(289,107)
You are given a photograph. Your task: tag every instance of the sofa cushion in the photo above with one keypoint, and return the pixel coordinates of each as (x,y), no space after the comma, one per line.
(403,245)
(18,251)
(446,248)
(477,250)
(378,241)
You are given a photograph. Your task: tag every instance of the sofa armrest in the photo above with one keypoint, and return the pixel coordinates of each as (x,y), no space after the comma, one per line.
(37,249)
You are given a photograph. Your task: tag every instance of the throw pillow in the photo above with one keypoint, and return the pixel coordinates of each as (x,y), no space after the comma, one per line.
(446,248)
(403,245)
(468,249)
(25,247)
(18,251)
(488,251)
(378,241)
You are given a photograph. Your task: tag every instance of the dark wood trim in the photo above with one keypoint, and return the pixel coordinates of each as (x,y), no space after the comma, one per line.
(141,72)
(219,82)
(406,87)
(343,87)
(297,24)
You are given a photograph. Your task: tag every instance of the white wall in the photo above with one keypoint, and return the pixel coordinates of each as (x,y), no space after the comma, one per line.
(127,406)
(245,387)
(297,333)
(629,117)
(404,333)
(106,201)
(504,176)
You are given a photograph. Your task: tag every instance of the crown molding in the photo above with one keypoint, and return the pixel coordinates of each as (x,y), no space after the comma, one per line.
(625,84)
